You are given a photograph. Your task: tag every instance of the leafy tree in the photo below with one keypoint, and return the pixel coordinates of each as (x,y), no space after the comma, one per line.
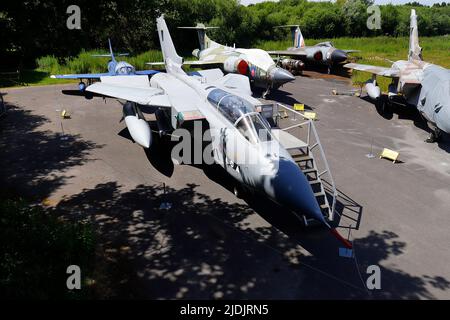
(355,17)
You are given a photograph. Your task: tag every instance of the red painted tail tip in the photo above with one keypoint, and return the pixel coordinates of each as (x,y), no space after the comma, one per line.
(344,241)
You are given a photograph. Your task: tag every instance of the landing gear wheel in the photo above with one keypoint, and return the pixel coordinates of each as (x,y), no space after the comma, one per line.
(383,105)
(88,95)
(435,136)
(238,191)
(265,93)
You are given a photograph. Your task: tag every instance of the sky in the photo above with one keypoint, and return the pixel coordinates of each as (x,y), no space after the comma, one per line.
(427,2)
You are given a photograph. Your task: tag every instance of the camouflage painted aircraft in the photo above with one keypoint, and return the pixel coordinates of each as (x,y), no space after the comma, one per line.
(423,85)
(254,63)
(323,53)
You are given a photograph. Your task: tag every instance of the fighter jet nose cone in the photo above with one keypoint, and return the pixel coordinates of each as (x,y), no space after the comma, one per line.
(338,56)
(280,76)
(292,189)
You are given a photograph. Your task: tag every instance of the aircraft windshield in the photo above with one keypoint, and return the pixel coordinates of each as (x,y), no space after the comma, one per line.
(231,106)
(254,128)
(325,44)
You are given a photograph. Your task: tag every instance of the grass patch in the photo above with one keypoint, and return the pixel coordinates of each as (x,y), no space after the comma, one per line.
(36,250)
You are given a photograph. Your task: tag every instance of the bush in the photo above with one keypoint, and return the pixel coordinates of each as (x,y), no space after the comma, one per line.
(48,64)
(36,250)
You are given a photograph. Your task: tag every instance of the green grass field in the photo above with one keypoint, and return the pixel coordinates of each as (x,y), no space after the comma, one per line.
(375,50)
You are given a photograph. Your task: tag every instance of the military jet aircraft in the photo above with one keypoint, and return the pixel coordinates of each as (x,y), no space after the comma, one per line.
(114,68)
(238,132)
(254,63)
(323,53)
(423,85)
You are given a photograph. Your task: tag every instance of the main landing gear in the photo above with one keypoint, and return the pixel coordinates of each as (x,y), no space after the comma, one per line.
(435,135)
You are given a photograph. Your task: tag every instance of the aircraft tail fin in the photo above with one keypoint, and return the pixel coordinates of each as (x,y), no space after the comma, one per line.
(201,32)
(170,55)
(111,50)
(297,38)
(415,51)
(111,53)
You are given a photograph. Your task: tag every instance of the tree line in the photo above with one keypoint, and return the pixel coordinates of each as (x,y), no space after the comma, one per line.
(34,28)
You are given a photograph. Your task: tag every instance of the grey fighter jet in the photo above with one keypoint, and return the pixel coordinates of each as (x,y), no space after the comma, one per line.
(323,53)
(423,85)
(256,64)
(243,142)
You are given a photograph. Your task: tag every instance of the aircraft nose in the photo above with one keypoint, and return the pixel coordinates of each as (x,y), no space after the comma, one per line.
(292,189)
(338,56)
(280,76)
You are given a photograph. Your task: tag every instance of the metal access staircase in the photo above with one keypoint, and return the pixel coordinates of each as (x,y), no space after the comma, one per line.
(309,155)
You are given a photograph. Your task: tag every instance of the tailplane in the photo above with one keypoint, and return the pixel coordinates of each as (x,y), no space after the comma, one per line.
(203,39)
(415,51)
(111,53)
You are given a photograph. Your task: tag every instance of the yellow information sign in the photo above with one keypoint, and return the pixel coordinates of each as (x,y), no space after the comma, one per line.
(65,114)
(310,115)
(389,154)
(299,107)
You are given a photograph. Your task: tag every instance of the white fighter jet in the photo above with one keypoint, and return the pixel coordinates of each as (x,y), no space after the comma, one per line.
(242,140)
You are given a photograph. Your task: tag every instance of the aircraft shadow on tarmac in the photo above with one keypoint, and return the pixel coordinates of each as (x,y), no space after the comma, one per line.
(159,156)
(409,113)
(290,224)
(159,153)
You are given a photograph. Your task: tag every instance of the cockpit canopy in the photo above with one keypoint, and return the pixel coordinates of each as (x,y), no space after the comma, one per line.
(123,68)
(231,106)
(325,44)
(242,114)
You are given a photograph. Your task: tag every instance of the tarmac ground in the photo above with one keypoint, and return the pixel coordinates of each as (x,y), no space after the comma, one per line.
(211,244)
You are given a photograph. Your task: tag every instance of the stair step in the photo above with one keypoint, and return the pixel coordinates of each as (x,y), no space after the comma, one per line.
(309,170)
(314,181)
(301,157)
(324,206)
(319,194)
